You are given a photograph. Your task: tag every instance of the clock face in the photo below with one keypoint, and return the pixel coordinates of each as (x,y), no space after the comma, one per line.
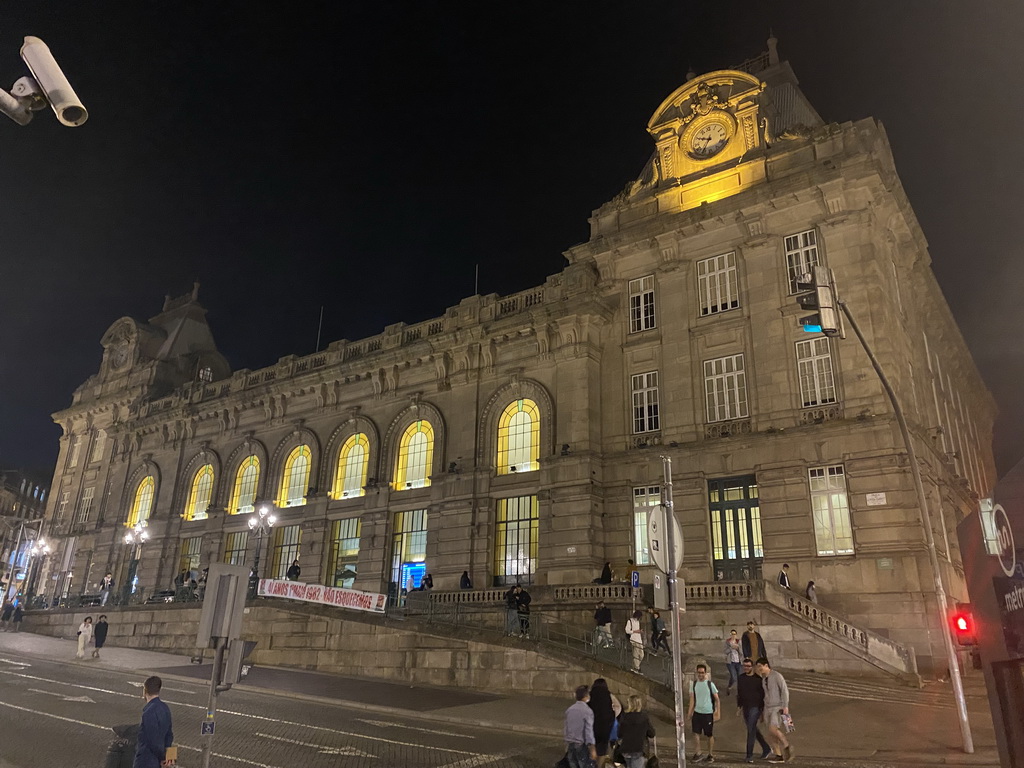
(709,140)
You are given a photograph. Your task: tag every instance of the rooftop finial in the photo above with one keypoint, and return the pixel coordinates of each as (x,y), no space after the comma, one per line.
(773,48)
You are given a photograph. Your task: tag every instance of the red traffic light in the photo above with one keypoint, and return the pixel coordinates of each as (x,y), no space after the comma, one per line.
(962,622)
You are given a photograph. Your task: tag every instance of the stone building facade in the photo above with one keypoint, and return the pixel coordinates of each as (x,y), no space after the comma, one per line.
(519,437)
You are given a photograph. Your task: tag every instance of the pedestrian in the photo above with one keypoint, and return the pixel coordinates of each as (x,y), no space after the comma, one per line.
(784,576)
(606,575)
(179,580)
(99,635)
(753,643)
(293,572)
(84,636)
(580,748)
(604,716)
(603,623)
(732,659)
(705,708)
(634,629)
(106,585)
(5,615)
(19,614)
(811,593)
(659,633)
(523,600)
(427,583)
(201,587)
(512,610)
(776,710)
(155,734)
(464,581)
(634,730)
(749,706)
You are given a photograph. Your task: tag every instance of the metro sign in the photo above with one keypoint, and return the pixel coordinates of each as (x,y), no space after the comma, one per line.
(1004,539)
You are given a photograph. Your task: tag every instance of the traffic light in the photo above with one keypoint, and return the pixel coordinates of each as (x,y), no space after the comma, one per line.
(962,621)
(819,297)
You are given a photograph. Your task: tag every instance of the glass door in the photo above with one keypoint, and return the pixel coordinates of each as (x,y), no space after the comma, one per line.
(737,547)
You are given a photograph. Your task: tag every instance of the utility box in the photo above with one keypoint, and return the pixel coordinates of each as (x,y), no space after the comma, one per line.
(224,604)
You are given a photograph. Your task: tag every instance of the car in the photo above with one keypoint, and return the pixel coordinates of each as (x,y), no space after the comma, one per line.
(161,596)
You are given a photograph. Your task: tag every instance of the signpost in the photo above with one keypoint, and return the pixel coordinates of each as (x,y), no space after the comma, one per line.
(673,550)
(658,538)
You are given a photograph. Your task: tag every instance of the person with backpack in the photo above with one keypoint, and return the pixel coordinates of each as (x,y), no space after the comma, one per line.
(704,710)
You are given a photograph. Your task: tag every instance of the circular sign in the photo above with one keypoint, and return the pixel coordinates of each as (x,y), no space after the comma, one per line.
(1004,539)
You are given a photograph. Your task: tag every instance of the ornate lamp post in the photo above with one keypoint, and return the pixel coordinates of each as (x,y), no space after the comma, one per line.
(260,523)
(39,550)
(135,538)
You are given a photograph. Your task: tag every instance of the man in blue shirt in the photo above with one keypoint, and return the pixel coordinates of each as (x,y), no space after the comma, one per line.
(580,748)
(155,736)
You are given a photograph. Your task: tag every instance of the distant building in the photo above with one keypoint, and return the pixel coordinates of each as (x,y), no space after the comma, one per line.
(518,437)
(22,504)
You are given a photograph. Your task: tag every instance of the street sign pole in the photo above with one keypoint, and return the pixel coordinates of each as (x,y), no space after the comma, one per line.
(677,605)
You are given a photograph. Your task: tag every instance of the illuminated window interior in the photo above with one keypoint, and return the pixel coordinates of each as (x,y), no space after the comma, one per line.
(415,454)
(243,494)
(142,505)
(199,496)
(519,438)
(353,461)
(295,480)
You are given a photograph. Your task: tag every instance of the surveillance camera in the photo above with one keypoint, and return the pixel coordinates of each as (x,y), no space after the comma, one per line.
(44,68)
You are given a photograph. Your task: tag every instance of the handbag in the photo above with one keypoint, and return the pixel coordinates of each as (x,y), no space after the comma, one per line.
(614,734)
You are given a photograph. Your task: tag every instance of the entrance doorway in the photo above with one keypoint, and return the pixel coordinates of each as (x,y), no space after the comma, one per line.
(737,547)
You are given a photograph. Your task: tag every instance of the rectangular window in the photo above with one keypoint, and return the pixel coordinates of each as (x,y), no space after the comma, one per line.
(286,550)
(814,368)
(830,506)
(341,567)
(515,540)
(801,255)
(644,499)
(725,388)
(76,449)
(235,546)
(62,506)
(641,304)
(988,526)
(191,548)
(98,446)
(409,548)
(717,289)
(645,402)
(85,506)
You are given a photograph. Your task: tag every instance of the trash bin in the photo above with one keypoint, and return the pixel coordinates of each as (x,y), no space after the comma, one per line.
(121,751)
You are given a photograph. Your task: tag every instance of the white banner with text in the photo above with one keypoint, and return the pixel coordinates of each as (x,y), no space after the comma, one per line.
(355,599)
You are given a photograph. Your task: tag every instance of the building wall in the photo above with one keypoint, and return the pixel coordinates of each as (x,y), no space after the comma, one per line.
(568,346)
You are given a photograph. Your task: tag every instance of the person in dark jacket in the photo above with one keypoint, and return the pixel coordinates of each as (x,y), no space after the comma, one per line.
(99,635)
(155,734)
(749,705)
(294,572)
(523,601)
(604,715)
(464,581)
(512,610)
(606,575)
(752,642)
(5,616)
(603,622)
(19,614)
(634,730)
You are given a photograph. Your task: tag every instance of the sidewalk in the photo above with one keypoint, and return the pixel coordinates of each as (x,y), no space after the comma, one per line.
(831,730)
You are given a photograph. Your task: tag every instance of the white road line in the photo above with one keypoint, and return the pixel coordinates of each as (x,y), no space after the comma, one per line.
(227,757)
(386,724)
(55,717)
(475,762)
(324,750)
(15,663)
(83,699)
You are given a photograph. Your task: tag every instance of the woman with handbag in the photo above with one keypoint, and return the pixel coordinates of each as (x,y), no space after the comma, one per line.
(84,636)
(634,730)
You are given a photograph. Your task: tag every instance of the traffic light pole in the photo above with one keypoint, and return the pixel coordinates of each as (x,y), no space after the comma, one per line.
(922,501)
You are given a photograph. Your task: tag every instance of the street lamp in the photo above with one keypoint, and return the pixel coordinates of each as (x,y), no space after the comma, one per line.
(260,523)
(135,538)
(40,549)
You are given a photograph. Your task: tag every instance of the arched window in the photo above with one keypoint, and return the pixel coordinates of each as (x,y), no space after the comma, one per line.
(199,496)
(415,454)
(519,438)
(295,480)
(143,503)
(243,495)
(353,462)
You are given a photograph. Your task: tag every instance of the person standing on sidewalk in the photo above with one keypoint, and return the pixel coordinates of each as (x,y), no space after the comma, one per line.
(749,705)
(84,636)
(19,614)
(512,610)
(603,625)
(579,731)
(5,616)
(635,631)
(776,706)
(156,734)
(705,709)
(634,730)
(523,612)
(753,644)
(99,635)
(732,659)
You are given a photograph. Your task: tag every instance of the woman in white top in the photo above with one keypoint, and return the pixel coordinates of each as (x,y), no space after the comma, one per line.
(84,636)
(634,628)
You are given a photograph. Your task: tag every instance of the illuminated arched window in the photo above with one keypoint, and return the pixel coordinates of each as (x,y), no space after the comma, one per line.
(353,462)
(199,496)
(142,505)
(519,438)
(415,454)
(295,480)
(243,494)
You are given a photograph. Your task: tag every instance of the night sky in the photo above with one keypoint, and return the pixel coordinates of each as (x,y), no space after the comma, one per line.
(365,156)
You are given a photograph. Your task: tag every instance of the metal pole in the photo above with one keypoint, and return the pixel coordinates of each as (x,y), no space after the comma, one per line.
(211,704)
(14,563)
(926,521)
(677,605)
